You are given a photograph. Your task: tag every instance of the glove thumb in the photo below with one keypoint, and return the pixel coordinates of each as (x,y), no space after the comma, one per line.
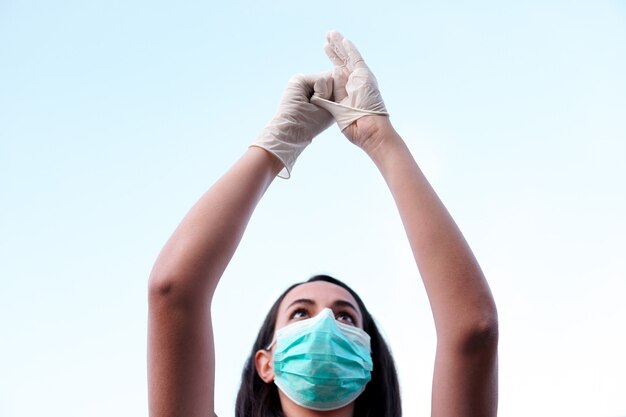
(323,87)
(323,95)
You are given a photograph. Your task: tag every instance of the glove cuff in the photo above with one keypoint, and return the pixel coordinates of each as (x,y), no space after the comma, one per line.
(286,151)
(345,115)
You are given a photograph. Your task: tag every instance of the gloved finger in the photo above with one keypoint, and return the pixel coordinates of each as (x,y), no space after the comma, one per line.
(323,86)
(310,79)
(355,60)
(332,55)
(301,86)
(340,79)
(320,84)
(335,42)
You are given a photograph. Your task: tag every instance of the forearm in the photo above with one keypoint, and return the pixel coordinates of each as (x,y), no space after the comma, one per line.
(458,292)
(195,256)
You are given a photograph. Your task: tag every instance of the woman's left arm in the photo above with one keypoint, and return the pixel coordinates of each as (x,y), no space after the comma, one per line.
(465,382)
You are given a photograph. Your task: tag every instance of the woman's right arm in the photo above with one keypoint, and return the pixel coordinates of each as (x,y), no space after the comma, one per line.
(181,364)
(181,358)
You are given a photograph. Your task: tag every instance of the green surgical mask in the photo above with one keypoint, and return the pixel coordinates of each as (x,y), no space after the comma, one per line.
(320,363)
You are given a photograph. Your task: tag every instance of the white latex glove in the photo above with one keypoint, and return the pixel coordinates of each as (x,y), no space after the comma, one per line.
(355,90)
(297,121)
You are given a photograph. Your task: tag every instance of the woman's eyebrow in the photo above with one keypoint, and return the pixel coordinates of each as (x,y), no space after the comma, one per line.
(345,303)
(306,301)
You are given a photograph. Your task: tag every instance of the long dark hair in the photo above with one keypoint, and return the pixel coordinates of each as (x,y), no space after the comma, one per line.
(381,397)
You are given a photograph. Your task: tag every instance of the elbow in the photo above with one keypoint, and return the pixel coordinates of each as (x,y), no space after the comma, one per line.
(172,291)
(472,333)
(480,336)
(163,290)
(160,286)
(477,332)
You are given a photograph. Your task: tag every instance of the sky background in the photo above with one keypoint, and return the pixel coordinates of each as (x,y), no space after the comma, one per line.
(115,116)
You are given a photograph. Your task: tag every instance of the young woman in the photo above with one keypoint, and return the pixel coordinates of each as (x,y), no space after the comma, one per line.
(318,352)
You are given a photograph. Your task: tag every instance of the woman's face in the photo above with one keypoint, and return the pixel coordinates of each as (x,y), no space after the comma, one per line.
(303,302)
(307,300)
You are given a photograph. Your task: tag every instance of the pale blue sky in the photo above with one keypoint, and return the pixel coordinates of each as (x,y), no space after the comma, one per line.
(115,117)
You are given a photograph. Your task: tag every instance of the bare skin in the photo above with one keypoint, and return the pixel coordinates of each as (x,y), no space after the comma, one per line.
(465,381)
(181,354)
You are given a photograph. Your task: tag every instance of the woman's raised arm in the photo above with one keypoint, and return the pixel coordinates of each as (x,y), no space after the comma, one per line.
(465,379)
(181,364)
(181,356)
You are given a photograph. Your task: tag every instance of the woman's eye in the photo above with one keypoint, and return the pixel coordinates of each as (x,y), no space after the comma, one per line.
(346,318)
(299,313)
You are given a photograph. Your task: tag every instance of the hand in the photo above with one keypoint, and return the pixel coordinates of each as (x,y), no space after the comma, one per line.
(297,121)
(355,101)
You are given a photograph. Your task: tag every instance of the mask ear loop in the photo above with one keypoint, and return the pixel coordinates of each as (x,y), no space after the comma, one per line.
(269,347)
